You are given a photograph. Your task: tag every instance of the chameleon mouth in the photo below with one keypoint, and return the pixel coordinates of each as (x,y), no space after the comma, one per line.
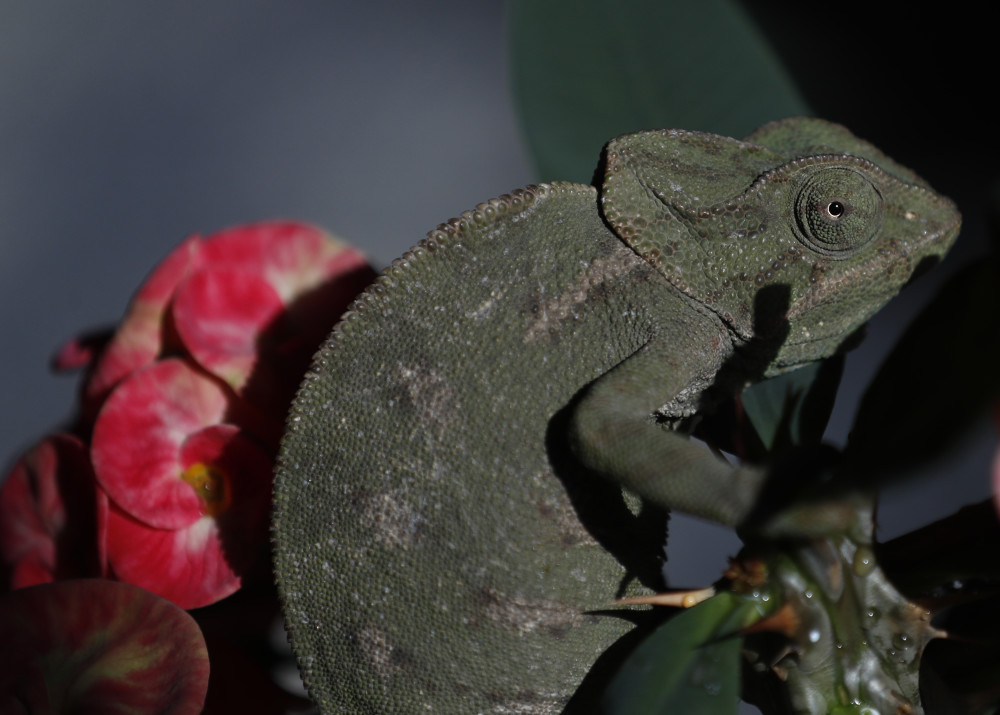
(917,243)
(899,259)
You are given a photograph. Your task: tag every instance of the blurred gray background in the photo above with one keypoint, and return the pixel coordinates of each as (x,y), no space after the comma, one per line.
(126,126)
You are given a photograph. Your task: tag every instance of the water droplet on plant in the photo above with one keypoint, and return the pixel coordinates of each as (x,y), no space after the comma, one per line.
(864,562)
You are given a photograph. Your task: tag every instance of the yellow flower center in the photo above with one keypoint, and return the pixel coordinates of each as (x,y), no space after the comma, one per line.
(211,485)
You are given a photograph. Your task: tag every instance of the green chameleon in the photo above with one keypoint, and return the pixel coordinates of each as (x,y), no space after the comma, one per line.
(455,501)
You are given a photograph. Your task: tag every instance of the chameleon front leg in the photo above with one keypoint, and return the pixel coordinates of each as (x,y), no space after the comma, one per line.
(614,432)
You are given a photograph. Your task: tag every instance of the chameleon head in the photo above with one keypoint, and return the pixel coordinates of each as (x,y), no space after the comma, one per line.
(801,233)
(861,234)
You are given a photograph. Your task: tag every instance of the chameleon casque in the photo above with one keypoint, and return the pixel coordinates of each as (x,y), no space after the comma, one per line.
(481,456)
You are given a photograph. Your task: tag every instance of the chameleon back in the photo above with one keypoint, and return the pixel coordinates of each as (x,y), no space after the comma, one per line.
(427,554)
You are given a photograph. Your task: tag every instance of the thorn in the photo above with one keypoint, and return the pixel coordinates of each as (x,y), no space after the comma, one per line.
(919,617)
(960,597)
(677,599)
(960,637)
(780,671)
(937,633)
(776,667)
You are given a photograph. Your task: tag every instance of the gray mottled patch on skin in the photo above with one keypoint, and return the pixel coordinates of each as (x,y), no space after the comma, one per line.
(562,514)
(433,398)
(377,651)
(395,522)
(525,615)
(550,313)
(487,307)
(528,703)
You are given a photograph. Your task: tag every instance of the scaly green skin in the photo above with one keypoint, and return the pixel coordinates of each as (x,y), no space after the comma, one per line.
(449,510)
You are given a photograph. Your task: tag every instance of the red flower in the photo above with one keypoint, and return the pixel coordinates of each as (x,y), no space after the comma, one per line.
(183,405)
(190,490)
(97,646)
(260,302)
(254,298)
(49,508)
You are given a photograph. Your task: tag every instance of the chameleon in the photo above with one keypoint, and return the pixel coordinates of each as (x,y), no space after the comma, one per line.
(482,456)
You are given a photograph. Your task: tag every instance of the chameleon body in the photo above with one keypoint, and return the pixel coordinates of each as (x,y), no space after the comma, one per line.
(455,501)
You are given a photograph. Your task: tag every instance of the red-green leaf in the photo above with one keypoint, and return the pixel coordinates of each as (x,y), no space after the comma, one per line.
(95,646)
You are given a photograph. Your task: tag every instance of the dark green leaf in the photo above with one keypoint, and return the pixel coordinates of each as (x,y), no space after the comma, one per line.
(586,71)
(688,665)
(794,408)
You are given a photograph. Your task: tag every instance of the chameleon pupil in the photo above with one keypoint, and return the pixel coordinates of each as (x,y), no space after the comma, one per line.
(835,209)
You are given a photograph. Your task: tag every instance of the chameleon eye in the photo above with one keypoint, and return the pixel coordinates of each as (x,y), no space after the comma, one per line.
(838,211)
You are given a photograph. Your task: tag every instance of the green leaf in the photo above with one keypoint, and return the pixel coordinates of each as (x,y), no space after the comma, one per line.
(691,664)
(585,71)
(794,408)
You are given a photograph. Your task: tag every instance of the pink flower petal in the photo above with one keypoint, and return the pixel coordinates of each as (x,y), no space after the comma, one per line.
(266,296)
(187,566)
(293,257)
(81,351)
(220,315)
(138,437)
(194,566)
(89,646)
(205,560)
(315,274)
(48,514)
(140,338)
(310,317)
